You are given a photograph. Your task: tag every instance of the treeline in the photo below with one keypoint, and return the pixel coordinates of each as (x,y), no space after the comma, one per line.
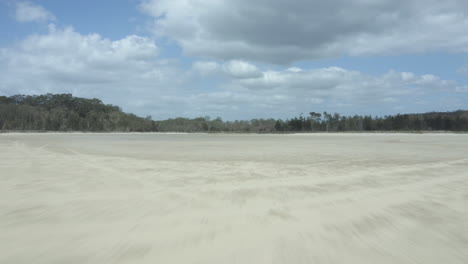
(63,112)
(435,121)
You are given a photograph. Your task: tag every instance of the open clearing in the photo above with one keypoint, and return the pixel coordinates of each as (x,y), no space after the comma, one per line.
(216,198)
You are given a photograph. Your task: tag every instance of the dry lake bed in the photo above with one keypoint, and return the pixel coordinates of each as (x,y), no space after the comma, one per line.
(226,198)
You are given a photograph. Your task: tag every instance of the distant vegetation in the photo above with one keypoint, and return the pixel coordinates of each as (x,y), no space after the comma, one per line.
(63,112)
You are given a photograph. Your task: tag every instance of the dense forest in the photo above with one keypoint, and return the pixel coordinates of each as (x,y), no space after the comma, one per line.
(63,112)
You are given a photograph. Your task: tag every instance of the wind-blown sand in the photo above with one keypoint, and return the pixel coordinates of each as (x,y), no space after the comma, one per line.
(200,198)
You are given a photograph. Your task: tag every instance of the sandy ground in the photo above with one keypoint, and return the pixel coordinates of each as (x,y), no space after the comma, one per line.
(197,198)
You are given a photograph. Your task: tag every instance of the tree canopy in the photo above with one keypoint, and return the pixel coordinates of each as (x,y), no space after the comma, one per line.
(64,112)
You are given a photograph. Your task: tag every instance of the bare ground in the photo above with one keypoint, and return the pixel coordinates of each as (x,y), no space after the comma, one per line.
(198,198)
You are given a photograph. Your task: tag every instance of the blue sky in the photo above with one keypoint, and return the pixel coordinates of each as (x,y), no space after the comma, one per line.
(240,59)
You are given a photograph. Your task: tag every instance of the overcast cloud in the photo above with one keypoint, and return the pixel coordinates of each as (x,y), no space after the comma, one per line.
(238,56)
(129,72)
(279,31)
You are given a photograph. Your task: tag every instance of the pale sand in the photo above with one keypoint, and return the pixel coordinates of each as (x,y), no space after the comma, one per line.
(198,198)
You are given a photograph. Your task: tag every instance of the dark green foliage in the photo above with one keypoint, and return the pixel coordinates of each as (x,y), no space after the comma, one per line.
(205,124)
(63,112)
(440,121)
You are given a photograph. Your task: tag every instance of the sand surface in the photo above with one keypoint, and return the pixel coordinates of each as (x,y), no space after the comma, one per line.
(199,198)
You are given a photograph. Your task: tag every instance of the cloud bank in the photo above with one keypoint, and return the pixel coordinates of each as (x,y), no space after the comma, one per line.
(238,35)
(278,31)
(63,60)
(130,73)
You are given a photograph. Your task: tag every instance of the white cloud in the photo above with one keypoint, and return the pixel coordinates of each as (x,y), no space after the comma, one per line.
(288,92)
(129,73)
(234,69)
(463,70)
(343,85)
(30,12)
(294,69)
(241,69)
(277,31)
(63,60)
(206,67)
(462,89)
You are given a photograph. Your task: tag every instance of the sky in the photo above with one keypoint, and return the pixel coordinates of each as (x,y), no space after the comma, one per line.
(240,59)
